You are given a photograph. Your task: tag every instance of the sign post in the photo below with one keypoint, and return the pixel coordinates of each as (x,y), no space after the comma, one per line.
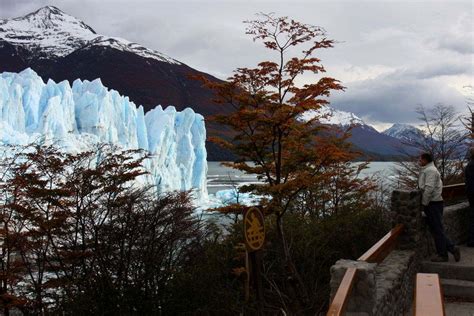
(254,235)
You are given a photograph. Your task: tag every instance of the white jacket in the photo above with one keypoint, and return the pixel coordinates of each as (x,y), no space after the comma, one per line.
(430,184)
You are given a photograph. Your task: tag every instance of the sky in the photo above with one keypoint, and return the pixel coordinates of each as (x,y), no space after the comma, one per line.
(391,56)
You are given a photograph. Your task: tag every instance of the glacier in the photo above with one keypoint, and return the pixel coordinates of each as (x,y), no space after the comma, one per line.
(87,113)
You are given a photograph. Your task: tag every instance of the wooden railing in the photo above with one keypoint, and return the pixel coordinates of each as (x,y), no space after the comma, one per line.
(339,303)
(376,253)
(454,193)
(382,248)
(428,296)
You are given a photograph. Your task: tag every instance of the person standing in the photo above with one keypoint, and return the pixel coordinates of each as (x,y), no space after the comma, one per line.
(431,188)
(469,179)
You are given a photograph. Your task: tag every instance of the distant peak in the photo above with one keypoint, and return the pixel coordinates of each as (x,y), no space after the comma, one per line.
(48,12)
(51,32)
(401,126)
(331,116)
(52,17)
(405,132)
(51,9)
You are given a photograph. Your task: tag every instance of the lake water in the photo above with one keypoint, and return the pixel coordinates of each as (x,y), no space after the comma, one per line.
(222,178)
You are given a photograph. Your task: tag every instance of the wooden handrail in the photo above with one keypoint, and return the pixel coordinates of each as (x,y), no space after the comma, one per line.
(454,192)
(382,248)
(376,253)
(339,303)
(428,296)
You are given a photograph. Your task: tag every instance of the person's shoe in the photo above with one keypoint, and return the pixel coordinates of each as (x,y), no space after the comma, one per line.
(439,258)
(456,254)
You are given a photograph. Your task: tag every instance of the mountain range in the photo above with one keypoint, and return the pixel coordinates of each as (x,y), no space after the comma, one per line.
(372,143)
(59,46)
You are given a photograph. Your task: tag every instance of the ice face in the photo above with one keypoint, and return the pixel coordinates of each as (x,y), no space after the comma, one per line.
(87,113)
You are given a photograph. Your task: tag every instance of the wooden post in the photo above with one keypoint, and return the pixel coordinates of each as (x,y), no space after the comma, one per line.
(256,276)
(254,235)
(247,277)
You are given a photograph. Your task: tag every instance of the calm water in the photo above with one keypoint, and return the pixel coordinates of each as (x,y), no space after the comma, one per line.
(221,178)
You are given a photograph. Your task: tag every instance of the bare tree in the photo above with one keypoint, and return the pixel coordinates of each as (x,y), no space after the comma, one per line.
(468,120)
(442,138)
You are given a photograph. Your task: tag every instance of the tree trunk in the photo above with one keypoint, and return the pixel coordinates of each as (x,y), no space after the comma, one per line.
(294,277)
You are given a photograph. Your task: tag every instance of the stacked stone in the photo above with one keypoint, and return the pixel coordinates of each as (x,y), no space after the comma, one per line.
(456,222)
(394,281)
(406,210)
(363,295)
(387,288)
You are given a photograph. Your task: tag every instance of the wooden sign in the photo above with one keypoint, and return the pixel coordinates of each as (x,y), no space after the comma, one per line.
(254,229)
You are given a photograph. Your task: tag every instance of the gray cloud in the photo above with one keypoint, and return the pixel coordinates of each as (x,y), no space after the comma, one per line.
(420,47)
(458,36)
(448,68)
(394,96)
(457,44)
(395,100)
(15,8)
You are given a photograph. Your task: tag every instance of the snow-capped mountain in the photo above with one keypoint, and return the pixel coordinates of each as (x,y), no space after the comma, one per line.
(331,116)
(50,33)
(126,46)
(406,133)
(77,116)
(363,136)
(61,47)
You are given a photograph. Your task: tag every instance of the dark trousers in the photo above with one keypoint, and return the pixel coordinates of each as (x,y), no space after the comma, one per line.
(434,219)
(471,220)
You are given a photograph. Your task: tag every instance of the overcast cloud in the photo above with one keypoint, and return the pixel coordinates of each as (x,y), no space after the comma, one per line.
(391,55)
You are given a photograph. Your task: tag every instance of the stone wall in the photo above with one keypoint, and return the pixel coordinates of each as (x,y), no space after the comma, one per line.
(363,295)
(406,209)
(394,283)
(456,222)
(387,288)
(396,274)
(380,289)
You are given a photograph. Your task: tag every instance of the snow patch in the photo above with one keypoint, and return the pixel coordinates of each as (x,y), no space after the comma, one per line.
(330,116)
(405,132)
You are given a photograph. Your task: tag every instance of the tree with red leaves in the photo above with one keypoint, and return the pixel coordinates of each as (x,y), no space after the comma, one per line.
(270,137)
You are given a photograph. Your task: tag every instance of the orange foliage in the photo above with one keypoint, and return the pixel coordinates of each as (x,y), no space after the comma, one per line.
(286,152)
(290,156)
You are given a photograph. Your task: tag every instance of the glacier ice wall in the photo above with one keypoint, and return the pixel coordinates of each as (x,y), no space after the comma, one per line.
(87,113)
